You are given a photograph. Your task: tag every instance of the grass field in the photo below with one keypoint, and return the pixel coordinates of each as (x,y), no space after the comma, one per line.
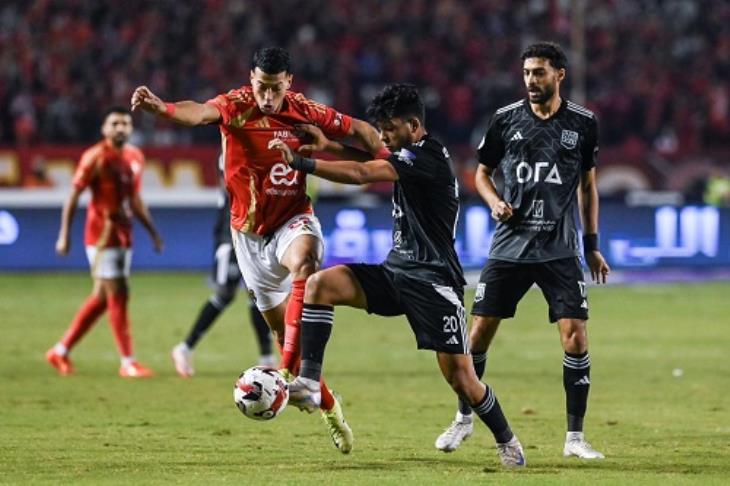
(95,427)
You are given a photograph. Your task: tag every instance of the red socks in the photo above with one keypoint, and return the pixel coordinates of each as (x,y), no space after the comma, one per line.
(328,401)
(119,322)
(86,316)
(292,320)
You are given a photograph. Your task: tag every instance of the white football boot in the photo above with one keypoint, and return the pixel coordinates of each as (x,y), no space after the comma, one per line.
(182,356)
(576,445)
(460,429)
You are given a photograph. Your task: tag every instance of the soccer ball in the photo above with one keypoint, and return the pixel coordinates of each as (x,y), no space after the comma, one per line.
(261,393)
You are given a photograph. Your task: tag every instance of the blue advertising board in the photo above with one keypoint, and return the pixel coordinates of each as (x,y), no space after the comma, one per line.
(665,236)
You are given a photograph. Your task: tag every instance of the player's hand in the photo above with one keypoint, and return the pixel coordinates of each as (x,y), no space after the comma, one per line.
(62,246)
(319,140)
(502,211)
(598,266)
(145,99)
(286,153)
(158,243)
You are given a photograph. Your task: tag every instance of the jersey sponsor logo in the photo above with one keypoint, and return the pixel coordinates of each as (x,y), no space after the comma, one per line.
(283,134)
(272,191)
(453,340)
(569,139)
(516,136)
(406,156)
(537,210)
(279,175)
(525,173)
(479,296)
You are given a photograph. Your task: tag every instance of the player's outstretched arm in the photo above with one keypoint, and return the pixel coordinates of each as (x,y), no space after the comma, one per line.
(139,209)
(501,210)
(63,243)
(368,137)
(187,113)
(320,143)
(589,212)
(343,171)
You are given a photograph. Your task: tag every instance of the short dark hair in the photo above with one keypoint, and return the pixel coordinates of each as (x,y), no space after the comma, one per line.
(122,110)
(546,50)
(397,101)
(272,60)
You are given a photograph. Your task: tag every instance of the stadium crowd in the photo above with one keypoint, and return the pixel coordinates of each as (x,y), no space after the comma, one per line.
(656,70)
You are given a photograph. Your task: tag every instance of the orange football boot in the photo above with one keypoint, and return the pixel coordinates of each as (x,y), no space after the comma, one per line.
(135,370)
(62,363)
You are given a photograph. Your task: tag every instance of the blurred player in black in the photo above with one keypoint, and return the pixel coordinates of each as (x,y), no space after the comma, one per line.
(421,277)
(227,278)
(546,148)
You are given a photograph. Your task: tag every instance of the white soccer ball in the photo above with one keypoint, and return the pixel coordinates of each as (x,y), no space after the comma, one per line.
(261,393)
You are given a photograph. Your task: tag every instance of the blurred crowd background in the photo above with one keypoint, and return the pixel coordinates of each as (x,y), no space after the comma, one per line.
(656,71)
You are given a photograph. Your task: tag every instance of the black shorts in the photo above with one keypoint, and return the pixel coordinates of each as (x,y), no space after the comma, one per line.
(225,267)
(502,285)
(435,311)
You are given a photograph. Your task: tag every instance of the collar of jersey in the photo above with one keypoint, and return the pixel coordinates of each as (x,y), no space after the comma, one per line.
(563,104)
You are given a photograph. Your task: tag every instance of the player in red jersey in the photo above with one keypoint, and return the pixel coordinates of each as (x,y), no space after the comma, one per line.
(277,238)
(112,169)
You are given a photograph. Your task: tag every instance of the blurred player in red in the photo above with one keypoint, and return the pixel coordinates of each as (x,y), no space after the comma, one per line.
(277,238)
(113,170)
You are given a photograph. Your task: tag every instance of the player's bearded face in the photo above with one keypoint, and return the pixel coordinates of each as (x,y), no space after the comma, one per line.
(541,79)
(269,89)
(117,128)
(395,133)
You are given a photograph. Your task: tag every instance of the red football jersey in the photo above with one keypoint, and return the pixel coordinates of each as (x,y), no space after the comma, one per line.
(265,192)
(114,176)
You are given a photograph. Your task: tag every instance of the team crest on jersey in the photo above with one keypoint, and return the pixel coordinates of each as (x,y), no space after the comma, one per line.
(569,139)
(479,296)
(406,156)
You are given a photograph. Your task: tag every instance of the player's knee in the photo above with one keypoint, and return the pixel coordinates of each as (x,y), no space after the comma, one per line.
(481,333)
(115,287)
(304,265)
(316,288)
(224,296)
(575,339)
(460,382)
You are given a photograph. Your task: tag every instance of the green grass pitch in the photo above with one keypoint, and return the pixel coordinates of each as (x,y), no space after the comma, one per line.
(94,427)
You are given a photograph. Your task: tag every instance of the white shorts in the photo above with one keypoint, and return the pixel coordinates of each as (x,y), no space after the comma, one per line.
(259,259)
(109,263)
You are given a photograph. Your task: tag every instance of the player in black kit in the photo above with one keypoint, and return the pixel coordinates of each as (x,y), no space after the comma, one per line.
(421,277)
(546,149)
(227,278)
